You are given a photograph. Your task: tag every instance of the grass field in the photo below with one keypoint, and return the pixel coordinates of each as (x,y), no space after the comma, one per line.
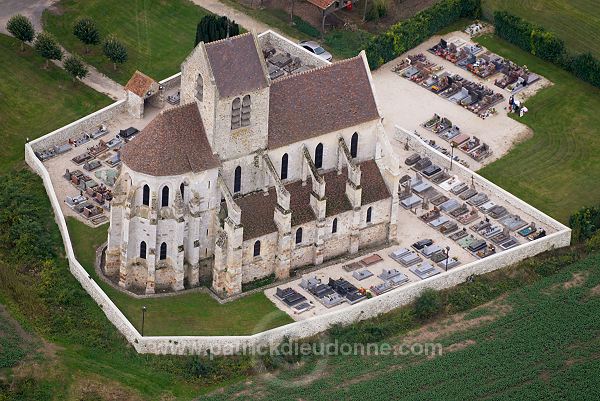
(187,314)
(577,22)
(26,89)
(557,169)
(540,342)
(158,34)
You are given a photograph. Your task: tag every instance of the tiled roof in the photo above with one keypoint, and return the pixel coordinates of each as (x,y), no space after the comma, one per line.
(173,143)
(139,84)
(320,101)
(371,181)
(236,65)
(322,4)
(300,202)
(335,192)
(258,209)
(257,213)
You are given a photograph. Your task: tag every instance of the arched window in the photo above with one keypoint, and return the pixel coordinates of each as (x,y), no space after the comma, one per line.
(257,248)
(199,88)
(369,214)
(236,113)
(237,180)
(163,251)
(146,195)
(334,226)
(354,145)
(164,199)
(299,235)
(246,111)
(284,166)
(182,190)
(319,156)
(143,250)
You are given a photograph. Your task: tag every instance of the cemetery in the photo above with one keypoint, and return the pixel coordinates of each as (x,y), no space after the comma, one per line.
(448,219)
(484,64)
(473,96)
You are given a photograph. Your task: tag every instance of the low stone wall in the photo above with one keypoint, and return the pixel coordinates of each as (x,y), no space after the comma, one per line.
(283,44)
(111,311)
(174,81)
(76,128)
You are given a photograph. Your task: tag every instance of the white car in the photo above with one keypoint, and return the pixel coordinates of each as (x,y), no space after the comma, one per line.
(316,48)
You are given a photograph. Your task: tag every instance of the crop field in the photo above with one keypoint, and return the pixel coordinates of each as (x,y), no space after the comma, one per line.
(577,22)
(555,170)
(158,34)
(540,342)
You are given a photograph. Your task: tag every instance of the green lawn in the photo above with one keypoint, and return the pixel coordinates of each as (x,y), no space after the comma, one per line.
(541,342)
(186,314)
(34,101)
(558,169)
(158,34)
(577,22)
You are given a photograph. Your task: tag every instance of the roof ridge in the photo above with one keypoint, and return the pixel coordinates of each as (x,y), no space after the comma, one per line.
(214,42)
(330,65)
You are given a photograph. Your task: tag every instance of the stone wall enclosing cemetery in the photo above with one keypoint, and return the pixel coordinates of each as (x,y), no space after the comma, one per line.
(77,128)
(364,310)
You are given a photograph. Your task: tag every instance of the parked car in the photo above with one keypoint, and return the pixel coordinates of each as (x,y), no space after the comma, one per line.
(316,48)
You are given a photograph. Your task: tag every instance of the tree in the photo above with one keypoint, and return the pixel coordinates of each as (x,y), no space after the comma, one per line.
(213,27)
(87,32)
(21,28)
(115,51)
(47,47)
(75,67)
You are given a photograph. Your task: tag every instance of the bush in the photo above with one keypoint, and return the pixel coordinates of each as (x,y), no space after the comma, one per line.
(75,67)
(212,27)
(585,67)
(377,9)
(47,47)
(547,46)
(87,32)
(21,28)
(407,34)
(306,28)
(428,304)
(513,29)
(115,51)
(584,224)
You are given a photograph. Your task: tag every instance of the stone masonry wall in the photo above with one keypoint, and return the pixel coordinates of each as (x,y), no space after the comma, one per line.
(76,128)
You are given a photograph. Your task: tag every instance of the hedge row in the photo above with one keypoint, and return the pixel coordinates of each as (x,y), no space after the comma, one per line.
(546,45)
(585,223)
(407,34)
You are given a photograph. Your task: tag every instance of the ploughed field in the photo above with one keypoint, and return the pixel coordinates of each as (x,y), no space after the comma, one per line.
(540,342)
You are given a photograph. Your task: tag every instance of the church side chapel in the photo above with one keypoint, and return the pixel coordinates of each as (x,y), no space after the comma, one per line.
(252,177)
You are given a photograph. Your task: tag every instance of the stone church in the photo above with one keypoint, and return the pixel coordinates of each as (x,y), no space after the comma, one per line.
(252,177)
